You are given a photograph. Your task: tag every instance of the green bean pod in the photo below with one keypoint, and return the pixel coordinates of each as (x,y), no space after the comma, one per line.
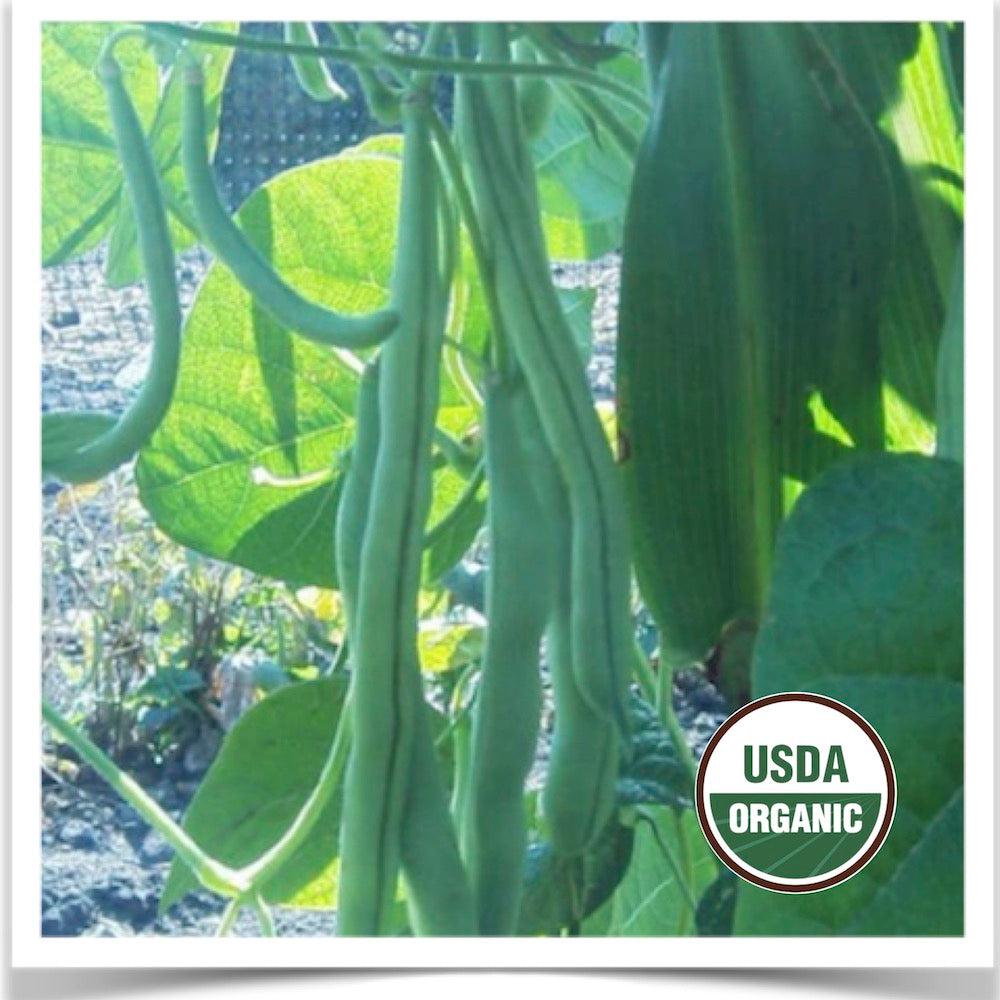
(579,793)
(80,448)
(508,702)
(438,896)
(384,710)
(284,303)
(352,510)
(311,71)
(601,636)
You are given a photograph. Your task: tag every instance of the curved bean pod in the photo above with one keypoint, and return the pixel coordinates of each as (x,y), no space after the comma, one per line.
(352,510)
(541,340)
(311,72)
(438,897)
(384,710)
(508,703)
(579,793)
(94,457)
(287,306)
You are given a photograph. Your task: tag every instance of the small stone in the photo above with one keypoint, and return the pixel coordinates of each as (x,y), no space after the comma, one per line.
(78,834)
(66,317)
(126,900)
(200,754)
(109,928)
(69,918)
(155,850)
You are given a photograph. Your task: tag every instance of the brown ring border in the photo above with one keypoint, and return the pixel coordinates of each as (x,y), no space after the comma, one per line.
(819,699)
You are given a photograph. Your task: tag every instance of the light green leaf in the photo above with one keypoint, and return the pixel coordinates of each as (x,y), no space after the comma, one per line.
(81,180)
(82,193)
(123,265)
(866,607)
(583,183)
(244,466)
(267,767)
(445,645)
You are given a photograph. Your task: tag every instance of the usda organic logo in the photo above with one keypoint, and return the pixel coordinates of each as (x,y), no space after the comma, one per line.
(796,792)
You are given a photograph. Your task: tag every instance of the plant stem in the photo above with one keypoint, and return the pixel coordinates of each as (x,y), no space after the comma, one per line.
(398,60)
(229,915)
(643,672)
(681,874)
(210,873)
(264,916)
(463,460)
(665,707)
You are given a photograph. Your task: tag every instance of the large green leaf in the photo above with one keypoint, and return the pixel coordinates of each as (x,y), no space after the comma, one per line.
(123,264)
(81,180)
(243,467)
(267,767)
(583,177)
(866,607)
(651,902)
(951,370)
(896,72)
(754,261)
(82,193)
(561,892)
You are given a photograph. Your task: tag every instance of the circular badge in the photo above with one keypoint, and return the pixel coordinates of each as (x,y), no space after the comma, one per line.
(796,792)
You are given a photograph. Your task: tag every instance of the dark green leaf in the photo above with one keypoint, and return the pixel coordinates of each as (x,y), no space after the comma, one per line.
(754,261)
(717,906)
(653,773)
(866,607)
(64,433)
(897,74)
(951,370)
(561,892)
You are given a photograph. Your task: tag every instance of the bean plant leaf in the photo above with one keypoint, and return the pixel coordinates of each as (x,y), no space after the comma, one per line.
(653,900)
(244,466)
(65,432)
(83,197)
(81,179)
(123,265)
(897,74)
(866,607)
(561,892)
(753,268)
(653,773)
(717,906)
(950,400)
(583,177)
(268,765)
